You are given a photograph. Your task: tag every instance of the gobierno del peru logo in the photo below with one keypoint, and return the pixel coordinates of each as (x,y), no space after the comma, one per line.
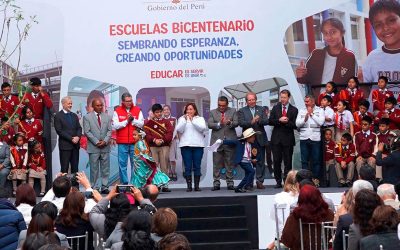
(175,5)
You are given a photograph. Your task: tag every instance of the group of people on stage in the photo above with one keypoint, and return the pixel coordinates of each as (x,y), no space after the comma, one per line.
(21,140)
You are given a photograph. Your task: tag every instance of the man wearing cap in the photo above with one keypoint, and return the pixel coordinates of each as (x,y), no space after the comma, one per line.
(222,122)
(126,118)
(246,157)
(37,99)
(254,116)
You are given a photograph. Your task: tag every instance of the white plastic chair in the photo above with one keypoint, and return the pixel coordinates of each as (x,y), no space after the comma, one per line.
(75,241)
(345,238)
(280,210)
(328,233)
(313,235)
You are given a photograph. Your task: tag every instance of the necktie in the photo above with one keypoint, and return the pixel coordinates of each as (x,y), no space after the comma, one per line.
(69,118)
(222,115)
(98,120)
(284,111)
(389,112)
(35,95)
(252,110)
(29,122)
(352,92)
(365,135)
(341,127)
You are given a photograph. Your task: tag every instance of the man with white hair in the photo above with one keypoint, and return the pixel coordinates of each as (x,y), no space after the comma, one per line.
(361,184)
(388,195)
(69,133)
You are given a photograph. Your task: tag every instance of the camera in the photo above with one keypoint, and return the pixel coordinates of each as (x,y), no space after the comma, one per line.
(73,179)
(88,194)
(124,188)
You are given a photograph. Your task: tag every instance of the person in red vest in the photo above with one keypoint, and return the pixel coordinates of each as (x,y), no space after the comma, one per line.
(352,94)
(126,119)
(8,102)
(37,99)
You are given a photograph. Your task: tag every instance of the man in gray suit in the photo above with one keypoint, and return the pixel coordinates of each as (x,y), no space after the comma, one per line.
(223,121)
(4,163)
(97,128)
(254,116)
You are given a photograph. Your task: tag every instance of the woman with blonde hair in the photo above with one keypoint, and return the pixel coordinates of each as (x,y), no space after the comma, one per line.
(285,198)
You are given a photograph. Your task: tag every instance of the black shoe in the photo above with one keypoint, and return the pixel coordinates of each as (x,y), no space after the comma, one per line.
(278,185)
(349,184)
(215,188)
(231,187)
(105,191)
(342,184)
(240,190)
(165,190)
(248,188)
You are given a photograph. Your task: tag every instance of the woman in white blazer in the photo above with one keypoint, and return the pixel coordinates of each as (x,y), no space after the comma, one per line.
(192,128)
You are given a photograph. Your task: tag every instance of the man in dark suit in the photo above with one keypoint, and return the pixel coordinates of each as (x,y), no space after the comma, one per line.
(69,133)
(283,118)
(253,116)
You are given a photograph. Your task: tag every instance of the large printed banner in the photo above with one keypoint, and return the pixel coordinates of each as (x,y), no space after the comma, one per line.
(174,52)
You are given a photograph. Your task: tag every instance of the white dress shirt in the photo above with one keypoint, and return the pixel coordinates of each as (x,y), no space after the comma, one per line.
(310,129)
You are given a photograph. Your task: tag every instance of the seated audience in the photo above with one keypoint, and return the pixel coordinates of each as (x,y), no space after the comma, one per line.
(368,173)
(100,214)
(174,241)
(364,205)
(344,207)
(287,197)
(383,230)
(72,220)
(35,241)
(343,219)
(11,222)
(311,209)
(359,185)
(49,209)
(388,195)
(165,222)
(25,199)
(304,177)
(136,231)
(61,188)
(114,217)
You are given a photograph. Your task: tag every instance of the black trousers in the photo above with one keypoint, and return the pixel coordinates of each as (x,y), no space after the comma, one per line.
(282,152)
(69,157)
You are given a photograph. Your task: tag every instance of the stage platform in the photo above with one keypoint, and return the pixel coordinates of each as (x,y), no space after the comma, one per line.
(206,192)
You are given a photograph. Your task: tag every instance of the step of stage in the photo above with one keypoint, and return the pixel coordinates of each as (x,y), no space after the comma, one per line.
(216,223)
(231,222)
(205,211)
(233,245)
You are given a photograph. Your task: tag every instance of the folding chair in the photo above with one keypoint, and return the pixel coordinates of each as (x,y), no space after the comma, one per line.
(75,242)
(345,238)
(280,210)
(98,242)
(313,235)
(328,233)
